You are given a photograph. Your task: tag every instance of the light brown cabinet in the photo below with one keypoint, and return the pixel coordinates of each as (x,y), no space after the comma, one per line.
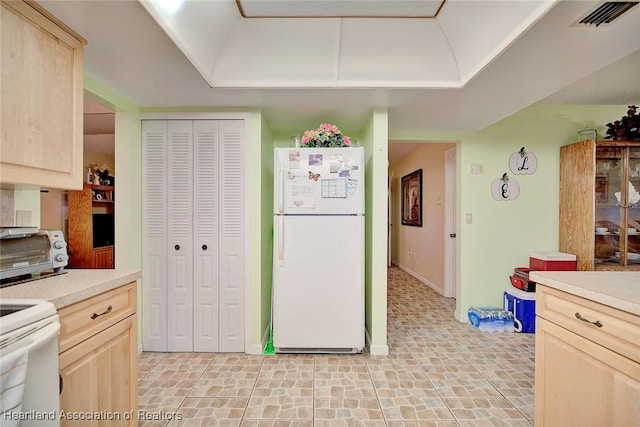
(103,257)
(587,362)
(600,204)
(90,231)
(42,98)
(98,359)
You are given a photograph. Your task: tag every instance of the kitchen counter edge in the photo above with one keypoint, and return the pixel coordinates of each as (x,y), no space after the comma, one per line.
(73,286)
(617,289)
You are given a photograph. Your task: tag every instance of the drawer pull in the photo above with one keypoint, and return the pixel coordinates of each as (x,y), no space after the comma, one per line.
(597,322)
(108,310)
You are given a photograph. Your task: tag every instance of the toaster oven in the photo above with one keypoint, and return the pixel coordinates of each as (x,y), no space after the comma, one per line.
(28,250)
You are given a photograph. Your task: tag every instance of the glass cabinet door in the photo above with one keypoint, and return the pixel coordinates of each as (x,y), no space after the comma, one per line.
(633,210)
(609,205)
(617,206)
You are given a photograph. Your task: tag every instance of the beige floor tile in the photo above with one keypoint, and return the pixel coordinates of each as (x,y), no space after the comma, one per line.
(460,387)
(348,412)
(278,387)
(344,385)
(223,412)
(325,361)
(413,408)
(404,388)
(285,360)
(277,423)
(282,404)
(430,423)
(439,373)
(486,412)
(224,384)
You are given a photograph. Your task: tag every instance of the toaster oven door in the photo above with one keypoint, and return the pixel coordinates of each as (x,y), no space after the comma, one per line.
(24,255)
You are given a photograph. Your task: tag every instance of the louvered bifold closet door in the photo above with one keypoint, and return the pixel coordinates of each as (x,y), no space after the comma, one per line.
(205,210)
(154,235)
(180,236)
(232,211)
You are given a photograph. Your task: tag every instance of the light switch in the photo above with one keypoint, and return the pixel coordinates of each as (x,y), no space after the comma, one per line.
(476,168)
(469,218)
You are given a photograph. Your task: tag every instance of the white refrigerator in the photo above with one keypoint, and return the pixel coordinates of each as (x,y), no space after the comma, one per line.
(318,263)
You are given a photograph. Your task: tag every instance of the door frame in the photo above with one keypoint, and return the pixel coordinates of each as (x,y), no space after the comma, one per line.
(450,221)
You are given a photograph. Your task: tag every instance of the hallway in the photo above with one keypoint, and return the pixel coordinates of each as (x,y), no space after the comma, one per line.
(439,372)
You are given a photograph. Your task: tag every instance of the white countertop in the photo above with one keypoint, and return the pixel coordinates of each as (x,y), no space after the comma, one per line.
(70,287)
(618,289)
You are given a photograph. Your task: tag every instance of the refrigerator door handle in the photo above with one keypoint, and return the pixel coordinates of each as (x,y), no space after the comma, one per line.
(281,195)
(281,240)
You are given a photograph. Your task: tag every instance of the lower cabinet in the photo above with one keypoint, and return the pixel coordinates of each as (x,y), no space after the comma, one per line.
(103,257)
(580,380)
(98,360)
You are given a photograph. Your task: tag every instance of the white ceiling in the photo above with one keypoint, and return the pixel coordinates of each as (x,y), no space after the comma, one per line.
(500,57)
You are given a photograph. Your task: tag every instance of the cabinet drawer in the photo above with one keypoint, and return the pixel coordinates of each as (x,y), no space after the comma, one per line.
(607,326)
(86,318)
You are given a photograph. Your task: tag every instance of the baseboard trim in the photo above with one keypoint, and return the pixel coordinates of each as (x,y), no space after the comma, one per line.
(375,350)
(420,278)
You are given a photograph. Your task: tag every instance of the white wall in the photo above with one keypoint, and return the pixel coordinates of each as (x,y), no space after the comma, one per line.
(420,250)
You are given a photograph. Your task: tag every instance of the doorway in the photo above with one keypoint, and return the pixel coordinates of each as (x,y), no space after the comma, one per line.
(427,251)
(450,230)
(91,210)
(86,217)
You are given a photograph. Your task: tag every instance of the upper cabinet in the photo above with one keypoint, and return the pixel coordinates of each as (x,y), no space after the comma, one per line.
(600,204)
(42,92)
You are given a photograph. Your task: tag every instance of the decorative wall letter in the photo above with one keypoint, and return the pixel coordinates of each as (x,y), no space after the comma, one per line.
(523,163)
(505,188)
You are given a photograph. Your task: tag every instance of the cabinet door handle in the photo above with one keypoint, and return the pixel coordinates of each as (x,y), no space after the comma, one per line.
(176,247)
(597,322)
(204,247)
(61,383)
(107,311)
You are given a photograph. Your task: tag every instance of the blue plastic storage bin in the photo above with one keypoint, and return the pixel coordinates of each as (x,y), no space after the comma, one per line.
(523,307)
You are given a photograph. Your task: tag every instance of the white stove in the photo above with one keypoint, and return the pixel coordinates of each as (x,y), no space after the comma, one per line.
(29,380)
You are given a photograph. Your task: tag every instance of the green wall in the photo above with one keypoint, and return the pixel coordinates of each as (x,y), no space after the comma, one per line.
(263,163)
(504,233)
(376,146)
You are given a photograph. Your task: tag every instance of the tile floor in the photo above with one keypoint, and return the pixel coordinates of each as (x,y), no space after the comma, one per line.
(439,372)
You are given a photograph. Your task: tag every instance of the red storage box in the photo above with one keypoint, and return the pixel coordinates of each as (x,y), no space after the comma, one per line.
(520,279)
(552,261)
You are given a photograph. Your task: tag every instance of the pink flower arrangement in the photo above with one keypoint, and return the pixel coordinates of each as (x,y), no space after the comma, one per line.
(326,135)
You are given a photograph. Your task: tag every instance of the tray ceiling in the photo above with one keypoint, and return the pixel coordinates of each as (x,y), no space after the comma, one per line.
(339,8)
(343,52)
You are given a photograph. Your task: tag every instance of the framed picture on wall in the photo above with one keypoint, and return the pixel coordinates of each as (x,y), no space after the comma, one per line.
(412,199)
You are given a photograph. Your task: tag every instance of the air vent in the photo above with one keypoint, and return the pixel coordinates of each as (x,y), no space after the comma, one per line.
(607,12)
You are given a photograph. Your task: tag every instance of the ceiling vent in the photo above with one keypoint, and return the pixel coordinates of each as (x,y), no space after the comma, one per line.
(607,12)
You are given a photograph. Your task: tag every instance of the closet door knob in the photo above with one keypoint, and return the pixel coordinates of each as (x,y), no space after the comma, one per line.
(176,247)
(204,247)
